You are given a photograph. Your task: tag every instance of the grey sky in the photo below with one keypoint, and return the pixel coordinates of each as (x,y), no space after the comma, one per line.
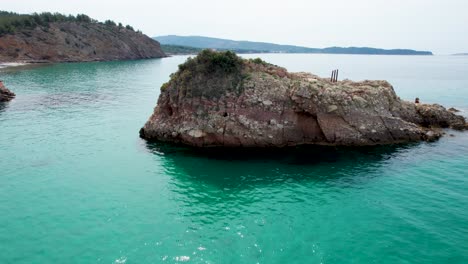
(437,25)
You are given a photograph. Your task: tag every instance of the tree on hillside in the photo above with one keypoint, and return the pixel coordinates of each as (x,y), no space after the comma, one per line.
(109,23)
(11,22)
(83,18)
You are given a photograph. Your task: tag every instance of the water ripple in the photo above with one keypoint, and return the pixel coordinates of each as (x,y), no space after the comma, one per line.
(76,182)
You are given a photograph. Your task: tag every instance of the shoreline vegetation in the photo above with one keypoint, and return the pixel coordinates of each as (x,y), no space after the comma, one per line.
(186,44)
(11,22)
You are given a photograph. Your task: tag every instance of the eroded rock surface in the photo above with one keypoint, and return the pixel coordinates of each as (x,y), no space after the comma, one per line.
(220,100)
(5,94)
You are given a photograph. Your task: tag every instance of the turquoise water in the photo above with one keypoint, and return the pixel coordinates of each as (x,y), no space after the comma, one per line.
(77,185)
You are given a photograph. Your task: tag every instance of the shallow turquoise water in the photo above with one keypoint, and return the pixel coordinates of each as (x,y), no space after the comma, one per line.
(77,185)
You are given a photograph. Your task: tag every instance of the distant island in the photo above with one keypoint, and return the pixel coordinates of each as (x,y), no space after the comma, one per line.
(460,54)
(54,37)
(199,42)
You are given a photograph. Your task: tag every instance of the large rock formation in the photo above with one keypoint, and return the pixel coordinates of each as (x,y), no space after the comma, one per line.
(5,94)
(76,42)
(218,99)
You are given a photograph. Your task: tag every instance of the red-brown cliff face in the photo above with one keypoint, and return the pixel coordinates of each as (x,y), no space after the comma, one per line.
(76,42)
(220,100)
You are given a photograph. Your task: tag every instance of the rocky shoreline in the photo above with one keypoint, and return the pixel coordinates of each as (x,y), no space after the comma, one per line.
(12,64)
(5,94)
(220,100)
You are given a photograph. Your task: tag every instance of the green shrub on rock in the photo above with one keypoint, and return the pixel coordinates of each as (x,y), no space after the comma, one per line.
(209,74)
(258,61)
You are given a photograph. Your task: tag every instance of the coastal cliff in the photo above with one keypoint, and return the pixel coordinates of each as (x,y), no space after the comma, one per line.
(57,38)
(5,94)
(220,100)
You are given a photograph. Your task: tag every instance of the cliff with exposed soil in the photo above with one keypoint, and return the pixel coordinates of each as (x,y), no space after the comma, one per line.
(220,100)
(76,42)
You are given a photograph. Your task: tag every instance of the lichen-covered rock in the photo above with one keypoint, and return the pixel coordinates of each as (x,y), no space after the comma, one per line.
(218,99)
(5,94)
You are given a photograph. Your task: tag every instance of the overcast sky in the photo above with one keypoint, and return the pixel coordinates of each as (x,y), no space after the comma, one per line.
(440,26)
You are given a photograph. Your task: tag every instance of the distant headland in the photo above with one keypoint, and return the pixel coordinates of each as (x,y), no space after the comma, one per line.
(193,44)
(54,37)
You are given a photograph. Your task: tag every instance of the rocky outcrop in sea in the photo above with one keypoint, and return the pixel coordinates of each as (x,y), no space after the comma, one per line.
(5,94)
(220,100)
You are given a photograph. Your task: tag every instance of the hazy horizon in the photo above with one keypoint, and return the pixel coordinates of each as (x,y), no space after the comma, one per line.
(438,26)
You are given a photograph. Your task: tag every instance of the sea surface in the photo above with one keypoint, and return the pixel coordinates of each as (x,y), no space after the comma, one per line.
(78,185)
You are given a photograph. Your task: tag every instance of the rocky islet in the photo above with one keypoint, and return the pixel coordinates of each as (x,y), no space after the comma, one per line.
(220,100)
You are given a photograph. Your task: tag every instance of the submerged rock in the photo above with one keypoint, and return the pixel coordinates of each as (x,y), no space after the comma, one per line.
(220,100)
(5,94)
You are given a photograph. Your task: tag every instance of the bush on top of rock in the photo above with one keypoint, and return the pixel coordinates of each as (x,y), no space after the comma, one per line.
(209,61)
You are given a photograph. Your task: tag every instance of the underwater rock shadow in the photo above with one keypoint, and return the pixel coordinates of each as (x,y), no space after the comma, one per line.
(3,107)
(237,169)
(226,184)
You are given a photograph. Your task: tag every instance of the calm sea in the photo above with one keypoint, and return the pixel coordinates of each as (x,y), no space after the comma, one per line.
(78,185)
